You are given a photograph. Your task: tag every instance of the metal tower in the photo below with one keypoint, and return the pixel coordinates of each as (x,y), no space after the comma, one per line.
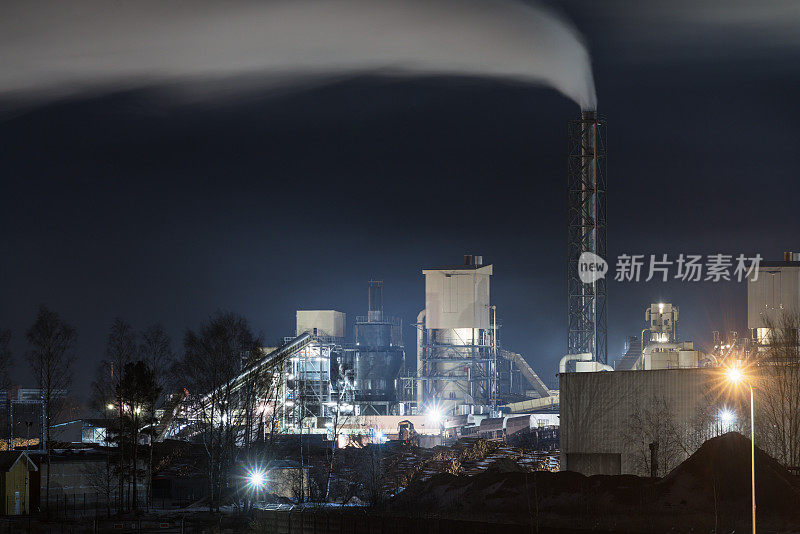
(587,233)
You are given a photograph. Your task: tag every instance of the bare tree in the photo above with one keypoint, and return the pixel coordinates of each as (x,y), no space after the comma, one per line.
(250,400)
(372,475)
(338,422)
(653,435)
(137,389)
(213,360)
(120,351)
(100,478)
(778,390)
(100,400)
(52,351)
(6,358)
(155,349)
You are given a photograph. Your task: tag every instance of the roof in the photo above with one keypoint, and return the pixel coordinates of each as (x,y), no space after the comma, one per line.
(769,264)
(99,423)
(8,459)
(460,268)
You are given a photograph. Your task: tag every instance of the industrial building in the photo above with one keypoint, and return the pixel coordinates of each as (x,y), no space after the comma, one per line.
(772,295)
(457,339)
(378,359)
(661,348)
(664,386)
(610,419)
(462,367)
(323,383)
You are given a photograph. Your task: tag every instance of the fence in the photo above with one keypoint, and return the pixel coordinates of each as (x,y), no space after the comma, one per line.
(72,506)
(363,521)
(27,525)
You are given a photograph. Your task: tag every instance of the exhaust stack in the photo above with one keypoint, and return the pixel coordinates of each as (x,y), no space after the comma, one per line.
(586,187)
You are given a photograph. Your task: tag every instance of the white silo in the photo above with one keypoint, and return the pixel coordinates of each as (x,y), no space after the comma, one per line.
(454,342)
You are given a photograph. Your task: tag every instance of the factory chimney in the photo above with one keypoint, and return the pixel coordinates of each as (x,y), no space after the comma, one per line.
(473,261)
(587,234)
(375,311)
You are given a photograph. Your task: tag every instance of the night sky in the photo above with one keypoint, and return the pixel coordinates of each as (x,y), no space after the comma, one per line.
(153,206)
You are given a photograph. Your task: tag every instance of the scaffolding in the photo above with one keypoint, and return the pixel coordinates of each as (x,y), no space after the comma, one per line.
(311,384)
(587,234)
(457,366)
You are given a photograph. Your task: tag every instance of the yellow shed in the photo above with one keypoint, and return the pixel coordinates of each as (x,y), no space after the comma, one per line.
(15,481)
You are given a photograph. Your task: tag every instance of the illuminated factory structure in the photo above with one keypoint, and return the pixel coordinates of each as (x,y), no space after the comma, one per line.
(460,367)
(456,338)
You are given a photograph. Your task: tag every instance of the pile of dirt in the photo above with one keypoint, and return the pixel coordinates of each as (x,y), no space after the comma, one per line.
(712,487)
(505,465)
(718,475)
(492,491)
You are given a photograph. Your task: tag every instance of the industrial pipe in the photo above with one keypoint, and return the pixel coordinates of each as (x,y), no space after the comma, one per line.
(420,355)
(583,357)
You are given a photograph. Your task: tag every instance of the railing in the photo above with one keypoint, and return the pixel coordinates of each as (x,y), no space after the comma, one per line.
(386,319)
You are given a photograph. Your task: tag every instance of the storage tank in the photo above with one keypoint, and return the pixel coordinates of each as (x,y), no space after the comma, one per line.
(378,355)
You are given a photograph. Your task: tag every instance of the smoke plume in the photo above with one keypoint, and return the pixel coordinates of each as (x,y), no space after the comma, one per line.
(58,47)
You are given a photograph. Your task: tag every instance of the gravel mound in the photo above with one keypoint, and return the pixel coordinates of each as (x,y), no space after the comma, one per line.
(712,487)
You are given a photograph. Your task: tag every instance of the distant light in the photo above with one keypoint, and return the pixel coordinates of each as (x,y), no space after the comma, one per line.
(256,478)
(436,415)
(735,375)
(727,416)
(110,406)
(380,437)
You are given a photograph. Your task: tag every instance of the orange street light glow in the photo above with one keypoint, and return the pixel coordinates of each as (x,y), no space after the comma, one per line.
(735,375)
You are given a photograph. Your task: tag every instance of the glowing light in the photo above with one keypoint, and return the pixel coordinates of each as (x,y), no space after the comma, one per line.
(436,415)
(727,416)
(110,406)
(735,375)
(256,478)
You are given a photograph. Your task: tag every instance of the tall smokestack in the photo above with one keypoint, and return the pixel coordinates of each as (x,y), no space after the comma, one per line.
(375,312)
(587,233)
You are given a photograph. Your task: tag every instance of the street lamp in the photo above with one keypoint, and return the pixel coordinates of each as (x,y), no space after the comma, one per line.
(735,376)
(256,478)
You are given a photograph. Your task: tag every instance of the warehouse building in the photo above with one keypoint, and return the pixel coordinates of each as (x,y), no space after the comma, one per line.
(636,422)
